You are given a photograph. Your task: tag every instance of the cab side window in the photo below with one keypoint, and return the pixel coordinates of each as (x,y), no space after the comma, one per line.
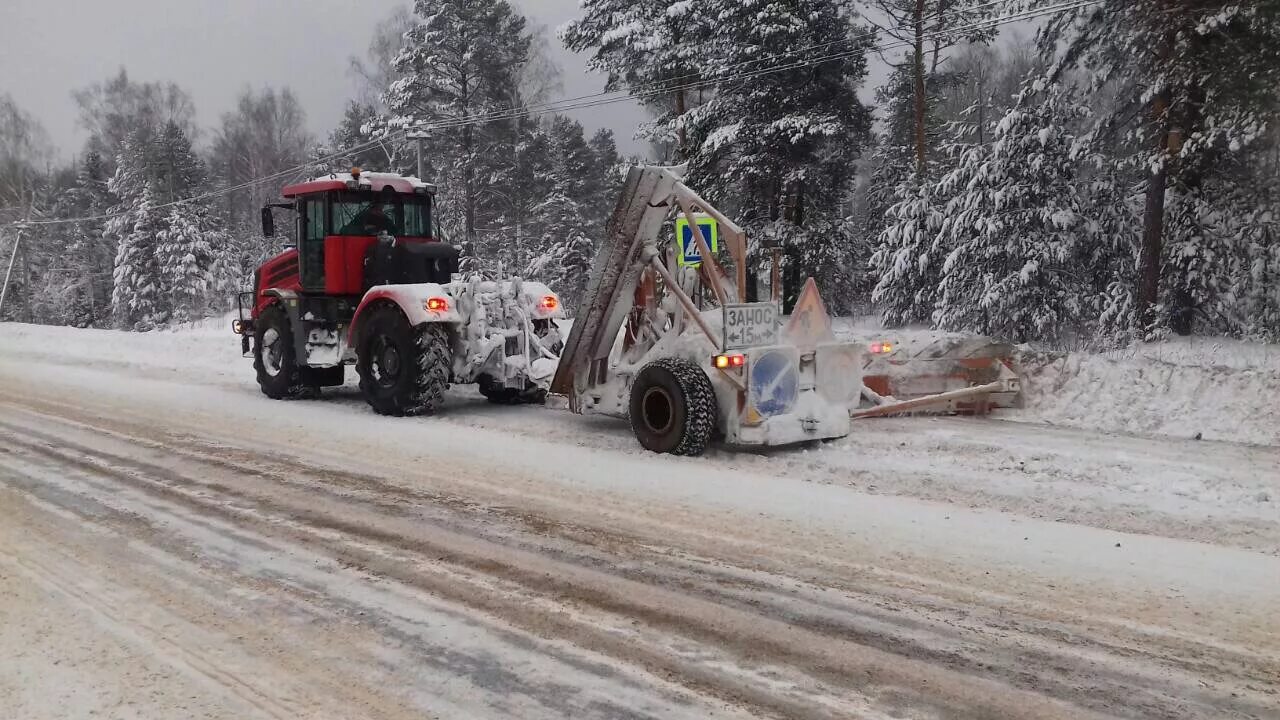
(312,249)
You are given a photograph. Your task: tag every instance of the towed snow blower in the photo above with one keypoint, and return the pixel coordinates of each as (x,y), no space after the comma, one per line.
(664,338)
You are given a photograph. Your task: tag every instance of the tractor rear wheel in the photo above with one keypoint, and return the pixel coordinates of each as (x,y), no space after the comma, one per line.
(279,374)
(673,407)
(403,370)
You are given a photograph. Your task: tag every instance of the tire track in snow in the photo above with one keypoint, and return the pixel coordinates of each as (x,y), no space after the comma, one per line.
(484,561)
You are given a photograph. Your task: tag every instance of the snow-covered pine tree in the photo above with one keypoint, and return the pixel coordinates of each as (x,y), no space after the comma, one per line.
(779,146)
(1018,224)
(652,49)
(565,214)
(607,174)
(174,168)
(905,263)
(87,248)
(462,59)
(1195,84)
(137,296)
(187,250)
(353,131)
(908,260)
(520,236)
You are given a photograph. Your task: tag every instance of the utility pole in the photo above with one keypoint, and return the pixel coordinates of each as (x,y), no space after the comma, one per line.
(4,290)
(418,136)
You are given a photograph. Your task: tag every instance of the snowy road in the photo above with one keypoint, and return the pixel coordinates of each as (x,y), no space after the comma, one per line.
(174,544)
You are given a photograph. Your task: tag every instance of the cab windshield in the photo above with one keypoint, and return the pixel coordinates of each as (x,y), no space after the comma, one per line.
(373,214)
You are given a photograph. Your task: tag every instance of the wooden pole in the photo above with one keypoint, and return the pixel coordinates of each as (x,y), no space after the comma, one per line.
(4,290)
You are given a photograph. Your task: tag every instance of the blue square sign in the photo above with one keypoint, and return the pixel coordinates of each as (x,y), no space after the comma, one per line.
(690,255)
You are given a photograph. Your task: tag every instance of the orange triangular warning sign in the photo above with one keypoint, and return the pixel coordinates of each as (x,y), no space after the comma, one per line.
(810,325)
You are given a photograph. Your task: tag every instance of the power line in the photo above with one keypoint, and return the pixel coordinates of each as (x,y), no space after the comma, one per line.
(512,113)
(600,99)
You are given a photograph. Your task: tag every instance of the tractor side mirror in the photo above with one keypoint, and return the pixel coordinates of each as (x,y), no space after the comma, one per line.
(268,222)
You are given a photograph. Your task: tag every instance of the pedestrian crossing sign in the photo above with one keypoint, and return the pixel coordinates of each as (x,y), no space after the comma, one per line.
(690,254)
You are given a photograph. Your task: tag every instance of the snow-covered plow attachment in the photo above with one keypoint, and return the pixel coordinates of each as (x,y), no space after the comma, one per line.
(664,339)
(951,375)
(669,344)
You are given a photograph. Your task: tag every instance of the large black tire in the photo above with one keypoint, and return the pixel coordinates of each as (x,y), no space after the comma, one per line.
(673,407)
(279,374)
(403,370)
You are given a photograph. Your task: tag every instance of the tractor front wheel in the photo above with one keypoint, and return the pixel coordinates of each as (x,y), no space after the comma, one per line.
(403,370)
(279,374)
(673,407)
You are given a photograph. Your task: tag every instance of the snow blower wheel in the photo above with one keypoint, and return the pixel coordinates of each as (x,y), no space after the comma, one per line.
(403,370)
(673,407)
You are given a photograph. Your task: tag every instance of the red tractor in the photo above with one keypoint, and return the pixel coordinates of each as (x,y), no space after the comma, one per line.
(370,282)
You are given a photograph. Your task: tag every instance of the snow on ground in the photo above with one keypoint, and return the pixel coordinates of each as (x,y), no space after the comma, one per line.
(1220,389)
(1223,493)
(1188,387)
(206,349)
(329,558)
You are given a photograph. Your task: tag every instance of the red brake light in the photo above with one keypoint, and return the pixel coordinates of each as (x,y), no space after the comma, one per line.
(436,304)
(724,362)
(549,302)
(881,348)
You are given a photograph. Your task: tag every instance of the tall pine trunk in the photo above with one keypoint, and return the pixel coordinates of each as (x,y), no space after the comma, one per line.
(1153,219)
(917,72)
(1183,303)
(792,278)
(682,137)
(468,177)
(1149,256)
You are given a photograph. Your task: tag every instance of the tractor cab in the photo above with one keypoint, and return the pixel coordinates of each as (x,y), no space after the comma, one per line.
(357,230)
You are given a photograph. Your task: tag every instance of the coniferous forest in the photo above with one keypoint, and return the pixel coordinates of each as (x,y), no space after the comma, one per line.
(1093,173)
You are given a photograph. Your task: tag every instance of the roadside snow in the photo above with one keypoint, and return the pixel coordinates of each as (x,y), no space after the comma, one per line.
(1207,491)
(1213,388)
(1215,391)
(1220,389)
(206,348)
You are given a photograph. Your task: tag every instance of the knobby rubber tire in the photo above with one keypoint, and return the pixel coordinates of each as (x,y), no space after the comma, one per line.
(426,362)
(292,381)
(693,407)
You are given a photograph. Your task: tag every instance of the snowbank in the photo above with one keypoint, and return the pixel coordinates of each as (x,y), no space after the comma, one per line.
(1186,387)
(203,349)
(1217,388)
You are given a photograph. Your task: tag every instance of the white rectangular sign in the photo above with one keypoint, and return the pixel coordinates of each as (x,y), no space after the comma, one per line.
(750,325)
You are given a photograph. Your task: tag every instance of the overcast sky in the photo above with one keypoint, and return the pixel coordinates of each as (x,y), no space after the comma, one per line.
(216,48)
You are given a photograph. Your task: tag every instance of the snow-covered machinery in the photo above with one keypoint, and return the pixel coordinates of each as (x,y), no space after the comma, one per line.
(670,344)
(673,348)
(370,283)
(964,375)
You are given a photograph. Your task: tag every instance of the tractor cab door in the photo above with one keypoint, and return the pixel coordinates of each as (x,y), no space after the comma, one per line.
(312,230)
